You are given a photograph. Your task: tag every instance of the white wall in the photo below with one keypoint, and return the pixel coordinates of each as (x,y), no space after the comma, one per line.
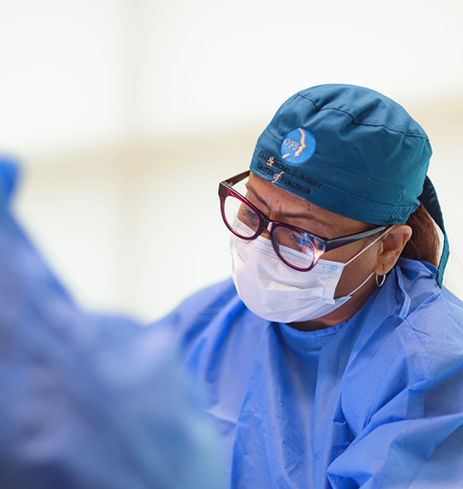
(63,76)
(209,63)
(127,114)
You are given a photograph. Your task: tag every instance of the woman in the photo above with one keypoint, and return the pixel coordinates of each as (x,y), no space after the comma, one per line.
(334,358)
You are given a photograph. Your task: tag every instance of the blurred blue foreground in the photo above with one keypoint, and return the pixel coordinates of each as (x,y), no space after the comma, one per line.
(87,401)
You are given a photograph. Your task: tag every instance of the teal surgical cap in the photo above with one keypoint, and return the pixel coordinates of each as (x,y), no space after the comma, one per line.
(352,151)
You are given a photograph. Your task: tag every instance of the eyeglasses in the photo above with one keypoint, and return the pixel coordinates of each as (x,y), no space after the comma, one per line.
(295,247)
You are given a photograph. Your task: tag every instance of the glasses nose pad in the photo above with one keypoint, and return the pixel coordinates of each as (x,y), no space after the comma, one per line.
(266,231)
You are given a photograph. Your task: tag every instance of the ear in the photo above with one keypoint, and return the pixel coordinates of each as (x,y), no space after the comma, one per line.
(392,245)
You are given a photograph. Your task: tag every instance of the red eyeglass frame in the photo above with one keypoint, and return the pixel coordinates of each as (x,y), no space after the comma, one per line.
(321,245)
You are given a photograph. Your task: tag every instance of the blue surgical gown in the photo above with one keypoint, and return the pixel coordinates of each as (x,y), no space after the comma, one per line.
(374,402)
(88,401)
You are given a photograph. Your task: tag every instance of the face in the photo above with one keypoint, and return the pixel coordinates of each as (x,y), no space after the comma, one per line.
(280,205)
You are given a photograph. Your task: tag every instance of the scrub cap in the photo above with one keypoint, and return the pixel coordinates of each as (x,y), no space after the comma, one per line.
(352,151)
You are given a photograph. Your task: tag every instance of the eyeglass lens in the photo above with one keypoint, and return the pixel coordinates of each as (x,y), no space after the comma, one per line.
(294,248)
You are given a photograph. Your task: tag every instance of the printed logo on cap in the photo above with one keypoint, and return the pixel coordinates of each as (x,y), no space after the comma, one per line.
(297,146)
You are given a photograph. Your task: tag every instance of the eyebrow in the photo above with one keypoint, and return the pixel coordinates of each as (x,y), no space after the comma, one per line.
(309,216)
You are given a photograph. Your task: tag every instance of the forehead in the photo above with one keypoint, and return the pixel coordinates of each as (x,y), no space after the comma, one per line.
(278,199)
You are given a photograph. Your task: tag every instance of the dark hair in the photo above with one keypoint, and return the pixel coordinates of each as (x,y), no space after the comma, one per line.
(424,243)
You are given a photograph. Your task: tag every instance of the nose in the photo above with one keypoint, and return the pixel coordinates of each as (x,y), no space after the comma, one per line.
(265,234)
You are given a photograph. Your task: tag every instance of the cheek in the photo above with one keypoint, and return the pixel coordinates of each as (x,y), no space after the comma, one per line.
(355,273)
(345,253)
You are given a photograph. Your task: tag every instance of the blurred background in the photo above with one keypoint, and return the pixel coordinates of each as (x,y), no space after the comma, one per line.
(126,114)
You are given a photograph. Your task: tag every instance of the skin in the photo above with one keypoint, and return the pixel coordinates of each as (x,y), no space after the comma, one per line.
(283,206)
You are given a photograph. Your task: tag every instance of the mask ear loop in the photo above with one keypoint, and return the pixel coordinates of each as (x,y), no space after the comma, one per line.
(372,273)
(369,246)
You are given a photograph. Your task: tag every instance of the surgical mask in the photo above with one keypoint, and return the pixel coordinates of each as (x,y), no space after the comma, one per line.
(276,292)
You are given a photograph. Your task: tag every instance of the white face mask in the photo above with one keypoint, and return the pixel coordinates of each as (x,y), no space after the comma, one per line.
(276,292)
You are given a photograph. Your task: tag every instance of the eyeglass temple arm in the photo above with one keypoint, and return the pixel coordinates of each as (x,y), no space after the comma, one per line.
(332,244)
(237,178)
